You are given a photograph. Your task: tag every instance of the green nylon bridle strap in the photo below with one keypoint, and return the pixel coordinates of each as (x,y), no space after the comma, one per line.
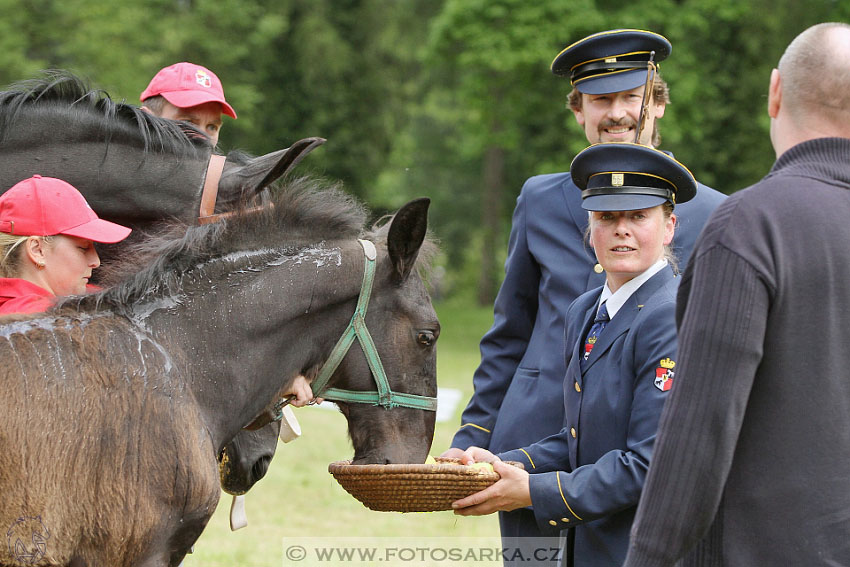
(384,396)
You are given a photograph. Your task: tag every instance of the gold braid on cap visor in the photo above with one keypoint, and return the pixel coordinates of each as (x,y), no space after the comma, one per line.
(629,183)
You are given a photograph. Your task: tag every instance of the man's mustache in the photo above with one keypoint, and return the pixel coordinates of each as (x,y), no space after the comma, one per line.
(627,122)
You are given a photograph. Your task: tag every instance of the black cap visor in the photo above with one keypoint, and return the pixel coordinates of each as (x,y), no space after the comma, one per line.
(612,82)
(621,200)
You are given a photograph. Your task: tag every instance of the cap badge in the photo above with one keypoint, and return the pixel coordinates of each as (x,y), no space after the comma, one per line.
(617,180)
(202,78)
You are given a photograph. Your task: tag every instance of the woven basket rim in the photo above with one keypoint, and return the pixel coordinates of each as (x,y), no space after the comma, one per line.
(443,466)
(412,487)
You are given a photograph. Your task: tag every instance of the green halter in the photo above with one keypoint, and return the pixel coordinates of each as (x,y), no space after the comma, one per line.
(357,330)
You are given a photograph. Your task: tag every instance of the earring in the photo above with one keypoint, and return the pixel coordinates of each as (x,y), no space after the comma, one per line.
(40,263)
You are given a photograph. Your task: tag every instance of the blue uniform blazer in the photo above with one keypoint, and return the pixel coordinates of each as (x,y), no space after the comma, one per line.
(600,458)
(519,383)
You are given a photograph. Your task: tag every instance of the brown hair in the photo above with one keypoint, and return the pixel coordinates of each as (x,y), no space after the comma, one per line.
(155,104)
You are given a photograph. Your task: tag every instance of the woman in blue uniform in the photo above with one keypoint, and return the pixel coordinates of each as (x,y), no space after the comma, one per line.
(620,350)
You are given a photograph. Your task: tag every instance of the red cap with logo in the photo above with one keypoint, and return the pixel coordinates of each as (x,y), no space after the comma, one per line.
(185,85)
(44,206)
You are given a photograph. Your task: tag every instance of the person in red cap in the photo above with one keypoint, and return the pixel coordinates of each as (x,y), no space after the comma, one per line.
(188,92)
(47,231)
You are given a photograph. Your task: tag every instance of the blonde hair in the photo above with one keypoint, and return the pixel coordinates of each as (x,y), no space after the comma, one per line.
(11,253)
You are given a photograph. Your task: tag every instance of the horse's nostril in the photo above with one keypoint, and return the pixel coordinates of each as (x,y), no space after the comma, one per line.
(260,468)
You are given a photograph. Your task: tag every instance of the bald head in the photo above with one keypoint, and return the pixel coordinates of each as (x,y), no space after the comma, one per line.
(815,71)
(809,94)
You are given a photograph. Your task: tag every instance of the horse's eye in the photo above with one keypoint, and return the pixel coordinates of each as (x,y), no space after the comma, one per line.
(425,338)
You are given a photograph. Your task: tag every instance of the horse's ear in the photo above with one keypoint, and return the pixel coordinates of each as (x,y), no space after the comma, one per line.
(407,232)
(245,181)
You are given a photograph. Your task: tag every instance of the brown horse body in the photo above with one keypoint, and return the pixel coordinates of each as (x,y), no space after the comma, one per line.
(96,417)
(116,405)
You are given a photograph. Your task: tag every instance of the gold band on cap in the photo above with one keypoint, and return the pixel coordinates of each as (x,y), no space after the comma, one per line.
(614,58)
(620,177)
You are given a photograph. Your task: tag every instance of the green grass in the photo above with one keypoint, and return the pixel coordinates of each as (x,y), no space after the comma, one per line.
(298,498)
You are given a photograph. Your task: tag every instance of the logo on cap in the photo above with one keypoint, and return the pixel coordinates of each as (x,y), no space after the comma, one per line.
(617,179)
(202,78)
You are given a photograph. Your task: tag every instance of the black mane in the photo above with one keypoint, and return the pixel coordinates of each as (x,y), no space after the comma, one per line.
(305,212)
(81,106)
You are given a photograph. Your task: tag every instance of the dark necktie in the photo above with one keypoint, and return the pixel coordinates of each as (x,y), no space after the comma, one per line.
(598,324)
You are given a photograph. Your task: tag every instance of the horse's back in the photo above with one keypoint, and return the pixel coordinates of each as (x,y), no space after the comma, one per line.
(132,167)
(97,439)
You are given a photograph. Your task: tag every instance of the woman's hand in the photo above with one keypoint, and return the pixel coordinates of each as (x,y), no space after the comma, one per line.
(300,388)
(508,493)
(475,455)
(452,453)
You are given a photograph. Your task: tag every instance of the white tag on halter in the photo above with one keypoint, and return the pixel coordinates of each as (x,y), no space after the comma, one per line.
(238,517)
(369,249)
(289,427)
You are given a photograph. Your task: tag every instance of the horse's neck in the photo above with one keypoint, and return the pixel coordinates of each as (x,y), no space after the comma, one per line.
(248,332)
(152,185)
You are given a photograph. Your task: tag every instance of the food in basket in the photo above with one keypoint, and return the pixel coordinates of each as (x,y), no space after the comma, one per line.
(431,460)
(487,467)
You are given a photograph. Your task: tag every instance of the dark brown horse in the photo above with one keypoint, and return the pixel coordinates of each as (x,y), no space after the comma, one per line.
(133,168)
(115,405)
(137,170)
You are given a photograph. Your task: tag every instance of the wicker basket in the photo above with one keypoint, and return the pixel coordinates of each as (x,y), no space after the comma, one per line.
(412,488)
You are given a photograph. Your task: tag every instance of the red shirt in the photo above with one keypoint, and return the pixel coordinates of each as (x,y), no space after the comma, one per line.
(21,296)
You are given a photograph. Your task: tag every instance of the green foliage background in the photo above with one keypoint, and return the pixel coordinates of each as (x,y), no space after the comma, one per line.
(450,99)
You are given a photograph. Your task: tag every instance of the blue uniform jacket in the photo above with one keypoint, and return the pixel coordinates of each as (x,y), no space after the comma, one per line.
(601,456)
(519,383)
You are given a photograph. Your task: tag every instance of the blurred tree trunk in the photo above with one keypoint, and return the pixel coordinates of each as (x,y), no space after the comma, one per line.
(491,214)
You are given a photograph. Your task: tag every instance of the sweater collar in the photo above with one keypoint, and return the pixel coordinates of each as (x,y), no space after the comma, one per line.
(820,157)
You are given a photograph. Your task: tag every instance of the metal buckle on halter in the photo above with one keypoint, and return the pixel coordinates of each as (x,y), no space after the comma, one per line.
(384,396)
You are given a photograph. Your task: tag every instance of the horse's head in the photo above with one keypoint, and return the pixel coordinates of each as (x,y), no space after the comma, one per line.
(246,459)
(283,282)
(404,326)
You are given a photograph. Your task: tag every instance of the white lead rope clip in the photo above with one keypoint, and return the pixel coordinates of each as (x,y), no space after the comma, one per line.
(289,430)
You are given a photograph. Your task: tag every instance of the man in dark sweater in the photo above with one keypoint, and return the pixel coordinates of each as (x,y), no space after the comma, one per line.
(750,464)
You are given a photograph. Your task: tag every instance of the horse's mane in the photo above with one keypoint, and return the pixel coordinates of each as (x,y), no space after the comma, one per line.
(306,211)
(62,90)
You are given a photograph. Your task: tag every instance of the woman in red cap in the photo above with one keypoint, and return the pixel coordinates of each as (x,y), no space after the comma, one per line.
(47,231)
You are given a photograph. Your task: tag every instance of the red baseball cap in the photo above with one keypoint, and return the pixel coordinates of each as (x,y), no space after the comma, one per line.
(185,85)
(44,206)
